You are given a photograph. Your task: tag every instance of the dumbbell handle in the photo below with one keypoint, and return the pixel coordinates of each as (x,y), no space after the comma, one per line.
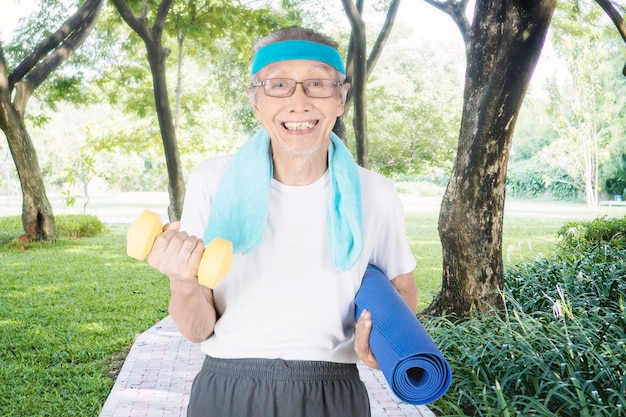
(217,257)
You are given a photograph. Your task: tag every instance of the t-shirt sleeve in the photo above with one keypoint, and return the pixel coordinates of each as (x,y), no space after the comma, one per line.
(391,252)
(201,188)
(196,206)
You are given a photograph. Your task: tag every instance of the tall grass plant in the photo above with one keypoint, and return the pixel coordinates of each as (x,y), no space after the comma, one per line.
(559,349)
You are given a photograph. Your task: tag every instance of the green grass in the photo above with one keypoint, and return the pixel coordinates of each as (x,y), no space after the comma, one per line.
(69,312)
(524,239)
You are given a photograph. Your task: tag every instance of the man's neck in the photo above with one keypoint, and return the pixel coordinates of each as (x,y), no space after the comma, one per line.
(299,170)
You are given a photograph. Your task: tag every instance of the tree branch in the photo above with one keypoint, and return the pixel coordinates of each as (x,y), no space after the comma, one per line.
(4,79)
(135,23)
(51,42)
(150,36)
(456,10)
(161,16)
(144,10)
(37,75)
(354,15)
(382,36)
(65,50)
(5,93)
(617,19)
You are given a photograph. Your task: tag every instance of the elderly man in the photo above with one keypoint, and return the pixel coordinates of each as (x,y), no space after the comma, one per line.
(279,332)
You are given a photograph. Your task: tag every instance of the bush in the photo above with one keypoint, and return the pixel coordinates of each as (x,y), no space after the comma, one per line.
(70,226)
(10,229)
(532,179)
(615,186)
(559,349)
(600,230)
(77,226)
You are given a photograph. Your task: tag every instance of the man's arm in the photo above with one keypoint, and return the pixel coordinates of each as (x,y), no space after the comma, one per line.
(405,285)
(192,307)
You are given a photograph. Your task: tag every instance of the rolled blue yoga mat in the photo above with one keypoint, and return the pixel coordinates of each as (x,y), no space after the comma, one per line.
(413,366)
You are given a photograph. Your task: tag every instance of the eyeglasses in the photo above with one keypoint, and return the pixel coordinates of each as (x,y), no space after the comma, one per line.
(285,87)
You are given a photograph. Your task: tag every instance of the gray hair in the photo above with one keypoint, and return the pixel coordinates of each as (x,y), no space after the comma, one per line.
(295,33)
(300,34)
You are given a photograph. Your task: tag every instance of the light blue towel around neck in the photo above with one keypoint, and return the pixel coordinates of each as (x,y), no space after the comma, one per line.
(239,210)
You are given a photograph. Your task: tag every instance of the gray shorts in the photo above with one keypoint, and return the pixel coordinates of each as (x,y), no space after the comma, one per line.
(277,388)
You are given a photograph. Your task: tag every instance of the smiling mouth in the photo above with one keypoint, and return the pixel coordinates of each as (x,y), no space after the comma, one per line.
(299,125)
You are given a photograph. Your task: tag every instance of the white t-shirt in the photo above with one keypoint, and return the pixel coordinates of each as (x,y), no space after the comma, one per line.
(285,299)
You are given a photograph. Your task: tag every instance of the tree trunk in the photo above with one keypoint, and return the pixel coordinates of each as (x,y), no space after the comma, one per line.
(358,69)
(340,129)
(37,215)
(359,122)
(176,187)
(16,89)
(505,43)
(152,38)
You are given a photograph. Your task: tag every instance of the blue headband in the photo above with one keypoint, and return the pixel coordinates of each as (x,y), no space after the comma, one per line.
(297,49)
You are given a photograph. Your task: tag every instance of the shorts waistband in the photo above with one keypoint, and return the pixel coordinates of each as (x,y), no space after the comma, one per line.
(281,369)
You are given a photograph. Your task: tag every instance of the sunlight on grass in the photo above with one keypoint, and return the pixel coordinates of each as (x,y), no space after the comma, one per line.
(94,327)
(69,311)
(524,239)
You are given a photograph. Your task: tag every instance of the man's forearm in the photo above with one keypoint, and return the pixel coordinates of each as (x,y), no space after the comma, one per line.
(405,285)
(193,310)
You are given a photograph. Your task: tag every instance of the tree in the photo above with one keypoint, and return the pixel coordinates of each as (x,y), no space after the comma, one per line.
(152,37)
(359,66)
(617,19)
(503,44)
(16,88)
(206,22)
(413,127)
(586,105)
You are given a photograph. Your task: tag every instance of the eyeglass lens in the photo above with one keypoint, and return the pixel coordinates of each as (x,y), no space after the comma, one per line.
(285,87)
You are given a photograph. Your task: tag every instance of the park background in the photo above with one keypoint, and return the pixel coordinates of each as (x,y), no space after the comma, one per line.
(68,316)
(568,142)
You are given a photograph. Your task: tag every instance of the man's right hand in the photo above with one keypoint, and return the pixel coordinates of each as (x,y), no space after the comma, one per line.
(176,254)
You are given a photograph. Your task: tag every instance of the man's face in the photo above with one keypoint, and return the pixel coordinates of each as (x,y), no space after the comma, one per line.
(298,125)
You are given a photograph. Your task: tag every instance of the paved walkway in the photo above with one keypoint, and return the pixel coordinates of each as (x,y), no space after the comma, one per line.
(156,378)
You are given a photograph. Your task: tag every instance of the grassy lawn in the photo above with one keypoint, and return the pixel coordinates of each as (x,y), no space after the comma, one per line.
(68,315)
(524,239)
(69,311)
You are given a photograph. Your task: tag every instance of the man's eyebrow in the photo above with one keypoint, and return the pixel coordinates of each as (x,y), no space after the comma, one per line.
(327,68)
(274,70)
(324,66)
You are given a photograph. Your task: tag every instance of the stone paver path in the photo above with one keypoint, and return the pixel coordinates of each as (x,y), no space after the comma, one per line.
(156,378)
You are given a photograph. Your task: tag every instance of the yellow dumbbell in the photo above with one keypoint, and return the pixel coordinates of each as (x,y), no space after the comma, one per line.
(216,259)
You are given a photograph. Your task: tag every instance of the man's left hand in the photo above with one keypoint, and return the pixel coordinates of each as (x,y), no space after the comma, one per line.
(362,340)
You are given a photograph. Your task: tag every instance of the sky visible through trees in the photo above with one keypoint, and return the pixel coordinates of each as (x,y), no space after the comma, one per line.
(434,69)
(424,23)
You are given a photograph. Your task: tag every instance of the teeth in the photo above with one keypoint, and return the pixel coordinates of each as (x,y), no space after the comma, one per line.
(299,125)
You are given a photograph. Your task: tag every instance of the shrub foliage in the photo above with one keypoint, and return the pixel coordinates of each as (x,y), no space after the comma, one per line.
(69,226)
(559,349)
(607,230)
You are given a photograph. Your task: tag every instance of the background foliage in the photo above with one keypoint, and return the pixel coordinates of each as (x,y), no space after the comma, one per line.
(559,348)
(99,107)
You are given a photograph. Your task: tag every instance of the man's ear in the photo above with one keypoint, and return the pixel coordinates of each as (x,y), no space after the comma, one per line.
(342,104)
(253,102)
